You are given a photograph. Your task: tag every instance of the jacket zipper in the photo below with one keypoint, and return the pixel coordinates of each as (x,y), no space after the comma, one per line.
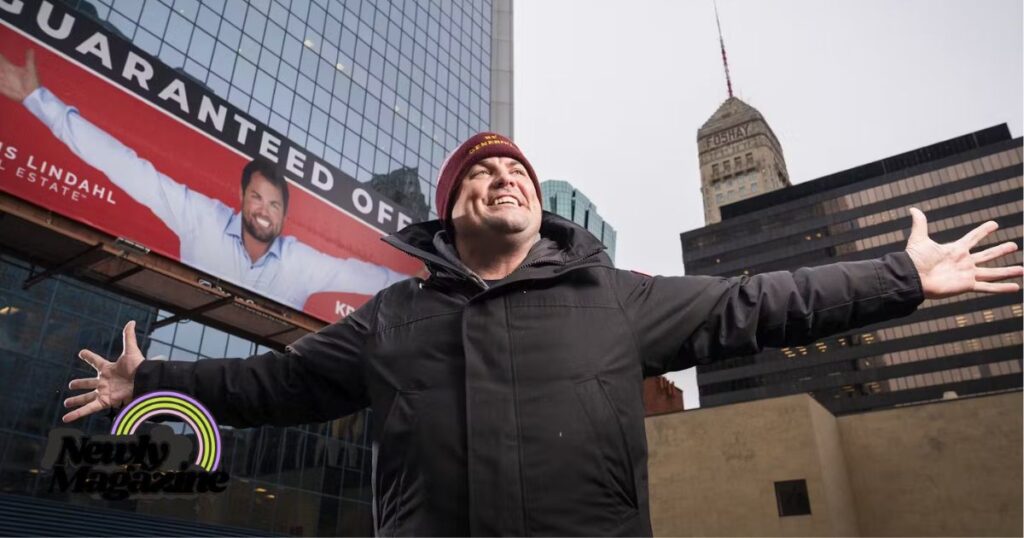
(566,266)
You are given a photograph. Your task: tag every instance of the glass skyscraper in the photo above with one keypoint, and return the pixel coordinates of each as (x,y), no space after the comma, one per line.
(370,86)
(562,199)
(382,90)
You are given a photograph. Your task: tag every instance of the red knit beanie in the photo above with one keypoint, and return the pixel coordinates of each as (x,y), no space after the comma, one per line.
(479,147)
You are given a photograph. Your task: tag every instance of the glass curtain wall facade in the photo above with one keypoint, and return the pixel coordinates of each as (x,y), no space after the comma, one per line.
(969,344)
(562,199)
(380,89)
(373,87)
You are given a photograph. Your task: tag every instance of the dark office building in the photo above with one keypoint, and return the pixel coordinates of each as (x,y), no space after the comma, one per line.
(379,89)
(954,347)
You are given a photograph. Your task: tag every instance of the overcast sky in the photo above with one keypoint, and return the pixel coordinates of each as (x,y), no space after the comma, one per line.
(609,94)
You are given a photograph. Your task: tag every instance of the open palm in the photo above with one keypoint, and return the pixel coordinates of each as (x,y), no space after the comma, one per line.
(951,269)
(114,382)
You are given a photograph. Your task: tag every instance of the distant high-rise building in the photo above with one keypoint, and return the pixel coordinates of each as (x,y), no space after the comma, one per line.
(502,74)
(561,198)
(403,186)
(963,345)
(740,157)
(739,154)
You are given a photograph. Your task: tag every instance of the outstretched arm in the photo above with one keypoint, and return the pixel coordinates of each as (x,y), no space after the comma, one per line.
(342,275)
(318,378)
(680,322)
(172,202)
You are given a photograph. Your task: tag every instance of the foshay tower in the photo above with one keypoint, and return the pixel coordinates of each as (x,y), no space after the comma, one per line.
(739,154)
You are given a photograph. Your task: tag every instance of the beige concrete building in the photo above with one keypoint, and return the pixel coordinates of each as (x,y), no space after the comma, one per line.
(950,468)
(739,155)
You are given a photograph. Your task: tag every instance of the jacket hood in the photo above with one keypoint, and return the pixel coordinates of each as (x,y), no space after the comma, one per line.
(562,241)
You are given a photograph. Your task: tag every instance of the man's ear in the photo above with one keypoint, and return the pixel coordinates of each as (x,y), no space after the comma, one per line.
(456,190)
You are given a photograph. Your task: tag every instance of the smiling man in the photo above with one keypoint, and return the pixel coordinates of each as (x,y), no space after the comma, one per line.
(507,387)
(244,247)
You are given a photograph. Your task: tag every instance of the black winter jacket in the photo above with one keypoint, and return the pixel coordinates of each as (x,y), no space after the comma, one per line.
(517,410)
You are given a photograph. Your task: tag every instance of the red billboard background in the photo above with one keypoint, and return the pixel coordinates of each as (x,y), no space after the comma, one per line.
(176,149)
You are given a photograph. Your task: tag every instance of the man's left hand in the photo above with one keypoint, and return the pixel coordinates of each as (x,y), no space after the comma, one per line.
(951,269)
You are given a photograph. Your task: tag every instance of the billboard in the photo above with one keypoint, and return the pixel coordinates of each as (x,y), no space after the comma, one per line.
(98,130)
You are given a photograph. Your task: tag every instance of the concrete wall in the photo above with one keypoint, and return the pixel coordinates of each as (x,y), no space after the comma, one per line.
(943,469)
(947,469)
(713,471)
(837,496)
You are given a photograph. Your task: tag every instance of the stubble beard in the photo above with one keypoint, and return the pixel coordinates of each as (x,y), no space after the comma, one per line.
(260,234)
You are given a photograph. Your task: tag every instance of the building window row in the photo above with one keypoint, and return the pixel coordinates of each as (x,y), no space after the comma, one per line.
(1006,185)
(955,375)
(979,216)
(920,182)
(1009,184)
(947,323)
(907,331)
(740,180)
(1011,339)
(1004,368)
(956,221)
(870,242)
(948,349)
(764,263)
(736,164)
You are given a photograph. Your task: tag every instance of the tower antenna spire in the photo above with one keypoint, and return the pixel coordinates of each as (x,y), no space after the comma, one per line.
(725,59)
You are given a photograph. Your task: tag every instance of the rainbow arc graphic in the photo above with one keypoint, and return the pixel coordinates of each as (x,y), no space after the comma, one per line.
(180,405)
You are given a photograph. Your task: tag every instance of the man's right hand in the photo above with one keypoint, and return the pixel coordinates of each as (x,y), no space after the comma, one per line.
(18,82)
(114,382)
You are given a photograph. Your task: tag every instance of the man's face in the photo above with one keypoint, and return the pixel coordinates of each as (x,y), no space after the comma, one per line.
(262,209)
(497,196)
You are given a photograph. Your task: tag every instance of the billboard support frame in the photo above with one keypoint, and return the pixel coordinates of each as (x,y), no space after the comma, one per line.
(189,314)
(83,259)
(30,231)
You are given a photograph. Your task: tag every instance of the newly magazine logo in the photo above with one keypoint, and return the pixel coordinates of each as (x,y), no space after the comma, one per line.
(126,464)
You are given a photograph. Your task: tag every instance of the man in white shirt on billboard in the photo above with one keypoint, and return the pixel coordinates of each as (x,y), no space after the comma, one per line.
(245,247)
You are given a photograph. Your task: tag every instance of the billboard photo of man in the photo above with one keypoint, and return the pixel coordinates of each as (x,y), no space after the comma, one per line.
(245,246)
